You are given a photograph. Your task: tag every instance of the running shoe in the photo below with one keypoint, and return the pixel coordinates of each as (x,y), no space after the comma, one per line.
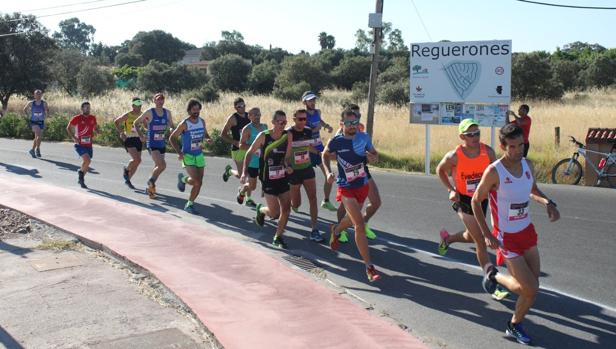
(38,152)
(190,209)
(333,239)
(443,246)
(181,184)
(517,332)
(500,293)
(82,183)
(315,236)
(369,233)
(295,209)
(227,173)
(488,283)
(343,237)
(31,151)
(125,173)
(279,242)
(372,274)
(151,190)
(260,218)
(129,184)
(240,196)
(250,203)
(328,205)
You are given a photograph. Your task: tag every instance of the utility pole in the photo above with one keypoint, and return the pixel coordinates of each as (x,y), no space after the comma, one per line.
(376,23)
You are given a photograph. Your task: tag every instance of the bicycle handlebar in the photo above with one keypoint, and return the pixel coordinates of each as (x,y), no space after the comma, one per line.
(575,141)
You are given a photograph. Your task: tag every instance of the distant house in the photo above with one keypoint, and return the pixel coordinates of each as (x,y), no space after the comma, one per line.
(193,58)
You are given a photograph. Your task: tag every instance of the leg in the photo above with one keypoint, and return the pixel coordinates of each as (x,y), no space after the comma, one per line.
(38,133)
(353,209)
(521,282)
(195,179)
(375,200)
(159,163)
(284,203)
(85,163)
(327,187)
(473,233)
(296,195)
(273,206)
(134,162)
(340,212)
(310,187)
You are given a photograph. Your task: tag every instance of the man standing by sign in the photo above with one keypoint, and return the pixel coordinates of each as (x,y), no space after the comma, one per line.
(524,121)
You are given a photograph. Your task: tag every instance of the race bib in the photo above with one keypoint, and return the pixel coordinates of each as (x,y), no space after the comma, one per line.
(258,153)
(276,172)
(471,185)
(196,145)
(159,136)
(37,115)
(86,140)
(518,211)
(301,157)
(354,172)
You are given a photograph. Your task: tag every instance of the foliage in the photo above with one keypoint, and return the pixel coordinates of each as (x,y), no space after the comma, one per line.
(75,35)
(130,59)
(207,93)
(230,72)
(157,76)
(13,125)
(64,67)
(262,77)
(351,69)
(93,80)
(159,46)
(218,147)
(301,71)
(326,41)
(532,77)
(55,128)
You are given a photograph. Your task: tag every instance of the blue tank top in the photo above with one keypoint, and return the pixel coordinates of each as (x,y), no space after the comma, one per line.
(351,158)
(192,137)
(254,132)
(156,129)
(314,121)
(37,111)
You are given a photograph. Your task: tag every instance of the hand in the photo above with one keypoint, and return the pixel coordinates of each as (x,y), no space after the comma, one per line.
(76,140)
(553,213)
(209,141)
(244,178)
(181,156)
(330,178)
(372,158)
(236,143)
(289,170)
(123,136)
(454,196)
(142,138)
(330,129)
(492,242)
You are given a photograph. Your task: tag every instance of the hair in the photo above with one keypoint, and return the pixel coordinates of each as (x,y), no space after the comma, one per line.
(192,103)
(525,107)
(510,131)
(136,99)
(347,112)
(158,94)
(85,103)
(38,91)
(254,111)
(299,111)
(238,100)
(278,113)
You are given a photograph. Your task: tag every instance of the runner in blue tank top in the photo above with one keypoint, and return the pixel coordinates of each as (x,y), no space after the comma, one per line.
(37,110)
(156,120)
(249,134)
(194,133)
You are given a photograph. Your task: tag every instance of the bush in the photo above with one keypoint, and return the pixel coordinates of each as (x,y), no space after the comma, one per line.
(229,72)
(55,128)
(351,70)
(219,146)
(532,77)
(128,59)
(301,69)
(13,125)
(207,94)
(262,77)
(174,78)
(394,93)
(292,92)
(108,135)
(93,80)
(360,91)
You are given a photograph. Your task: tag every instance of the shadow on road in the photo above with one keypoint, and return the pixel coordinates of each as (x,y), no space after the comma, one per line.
(34,173)
(69,167)
(16,250)
(8,341)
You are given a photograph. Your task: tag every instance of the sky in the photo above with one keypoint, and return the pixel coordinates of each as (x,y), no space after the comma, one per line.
(295,25)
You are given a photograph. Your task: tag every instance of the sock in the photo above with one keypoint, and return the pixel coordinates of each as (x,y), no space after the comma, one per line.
(185,179)
(189,203)
(152,180)
(81,174)
(325,200)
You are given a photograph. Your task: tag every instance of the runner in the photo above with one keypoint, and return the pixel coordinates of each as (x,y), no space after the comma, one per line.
(466,164)
(315,123)
(299,149)
(351,150)
(235,123)
(273,174)
(157,120)
(193,133)
(37,110)
(524,121)
(249,134)
(374,196)
(509,183)
(125,125)
(81,129)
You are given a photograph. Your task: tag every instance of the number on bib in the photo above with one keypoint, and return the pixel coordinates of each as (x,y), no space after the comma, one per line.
(301,157)
(276,172)
(354,172)
(86,140)
(518,211)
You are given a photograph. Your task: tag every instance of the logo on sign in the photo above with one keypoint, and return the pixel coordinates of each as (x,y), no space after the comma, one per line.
(499,70)
(418,88)
(499,89)
(418,70)
(463,77)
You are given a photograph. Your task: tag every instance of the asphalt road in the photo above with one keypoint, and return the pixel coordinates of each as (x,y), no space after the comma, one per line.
(439,299)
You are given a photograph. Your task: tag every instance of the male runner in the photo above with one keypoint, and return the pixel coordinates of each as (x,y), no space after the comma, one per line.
(125,125)
(273,174)
(351,150)
(193,132)
(81,129)
(315,123)
(37,110)
(509,183)
(249,134)
(299,148)
(524,121)
(157,120)
(235,123)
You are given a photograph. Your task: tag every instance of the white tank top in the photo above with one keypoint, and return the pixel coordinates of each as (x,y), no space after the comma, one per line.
(509,204)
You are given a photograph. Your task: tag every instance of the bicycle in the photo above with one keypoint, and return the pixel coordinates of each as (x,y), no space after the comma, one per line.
(569,171)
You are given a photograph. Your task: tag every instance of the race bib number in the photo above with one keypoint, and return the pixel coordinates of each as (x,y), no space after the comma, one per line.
(196,145)
(301,157)
(471,185)
(354,172)
(258,153)
(159,136)
(86,140)
(518,211)
(276,172)
(37,115)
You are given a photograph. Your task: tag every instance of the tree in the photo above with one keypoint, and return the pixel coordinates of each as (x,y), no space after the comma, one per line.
(64,67)
(23,57)
(262,77)
(601,72)
(158,45)
(130,59)
(103,53)
(174,78)
(75,34)
(232,36)
(326,41)
(352,69)
(396,43)
(93,80)
(229,72)
(567,73)
(300,71)
(532,77)
(362,41)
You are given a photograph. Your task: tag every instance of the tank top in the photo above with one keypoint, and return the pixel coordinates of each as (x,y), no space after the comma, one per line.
(254,132)
(468,171)
(313,122)
(129,129)
(156,129)
(37,111)
(300,148)
(192,137)
(240,123)
(273,152)
(509,203)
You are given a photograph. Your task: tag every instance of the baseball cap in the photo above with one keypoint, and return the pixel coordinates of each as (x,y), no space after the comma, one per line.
(308,95)
(465,124)
(137,101)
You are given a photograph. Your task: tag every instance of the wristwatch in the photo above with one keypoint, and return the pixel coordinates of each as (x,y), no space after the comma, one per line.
(550,202)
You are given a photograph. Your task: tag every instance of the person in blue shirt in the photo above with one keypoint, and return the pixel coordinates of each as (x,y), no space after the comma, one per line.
(37,110)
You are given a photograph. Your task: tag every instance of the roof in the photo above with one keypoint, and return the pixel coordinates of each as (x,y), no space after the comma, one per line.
(601,135)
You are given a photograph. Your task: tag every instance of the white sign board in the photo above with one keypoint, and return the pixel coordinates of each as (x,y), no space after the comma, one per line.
(461,72)
(488,115)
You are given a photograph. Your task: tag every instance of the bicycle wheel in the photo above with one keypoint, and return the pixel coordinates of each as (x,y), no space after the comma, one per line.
(610,172)
(567,171)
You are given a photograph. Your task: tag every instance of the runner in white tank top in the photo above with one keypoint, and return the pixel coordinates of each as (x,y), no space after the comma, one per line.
(509,183)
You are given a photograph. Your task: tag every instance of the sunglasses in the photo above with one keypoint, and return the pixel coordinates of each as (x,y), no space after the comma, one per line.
(282,122)
(351,123)
(240,105)
(300,119)
(472,134)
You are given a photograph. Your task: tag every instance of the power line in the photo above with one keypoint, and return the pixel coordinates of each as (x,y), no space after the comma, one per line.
(82,10)
(65,5)
(568,6)
(421,21)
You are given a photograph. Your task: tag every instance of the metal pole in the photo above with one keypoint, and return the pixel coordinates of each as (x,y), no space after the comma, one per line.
(427,147)
(492,136)
(374,71)
(557,136)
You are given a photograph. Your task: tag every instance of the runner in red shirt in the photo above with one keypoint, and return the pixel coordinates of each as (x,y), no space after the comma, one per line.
(524,121)
(81,129)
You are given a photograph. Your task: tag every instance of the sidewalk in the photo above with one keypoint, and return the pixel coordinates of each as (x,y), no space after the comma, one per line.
(247,298)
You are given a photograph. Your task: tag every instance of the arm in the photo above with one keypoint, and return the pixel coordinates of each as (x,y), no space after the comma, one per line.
(206,135)
(371,153)
(540,197)
(169,120)
(288,156)
(225,131)
(489,182)
(27,108)
(46,107)
(249,153)
(71,133)
(119,120)
(444,168)
(244,138)
(173,139)
(142,119)
(326,126)
(326,156)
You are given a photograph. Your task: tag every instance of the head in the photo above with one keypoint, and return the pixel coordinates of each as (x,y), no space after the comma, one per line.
(511,139)
(159,100)
(136,104)
(469,132)
(239,105)
(309,99)
(279,120)
(299,118)
(85,108)
(38,94)
(349,122)
(523,110)
(355,108)
(254,114)
(193,108)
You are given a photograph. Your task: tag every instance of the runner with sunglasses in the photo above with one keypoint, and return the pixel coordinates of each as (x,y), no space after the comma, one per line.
(249,134)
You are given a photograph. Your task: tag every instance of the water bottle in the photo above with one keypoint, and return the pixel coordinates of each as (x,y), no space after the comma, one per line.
(602,163)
